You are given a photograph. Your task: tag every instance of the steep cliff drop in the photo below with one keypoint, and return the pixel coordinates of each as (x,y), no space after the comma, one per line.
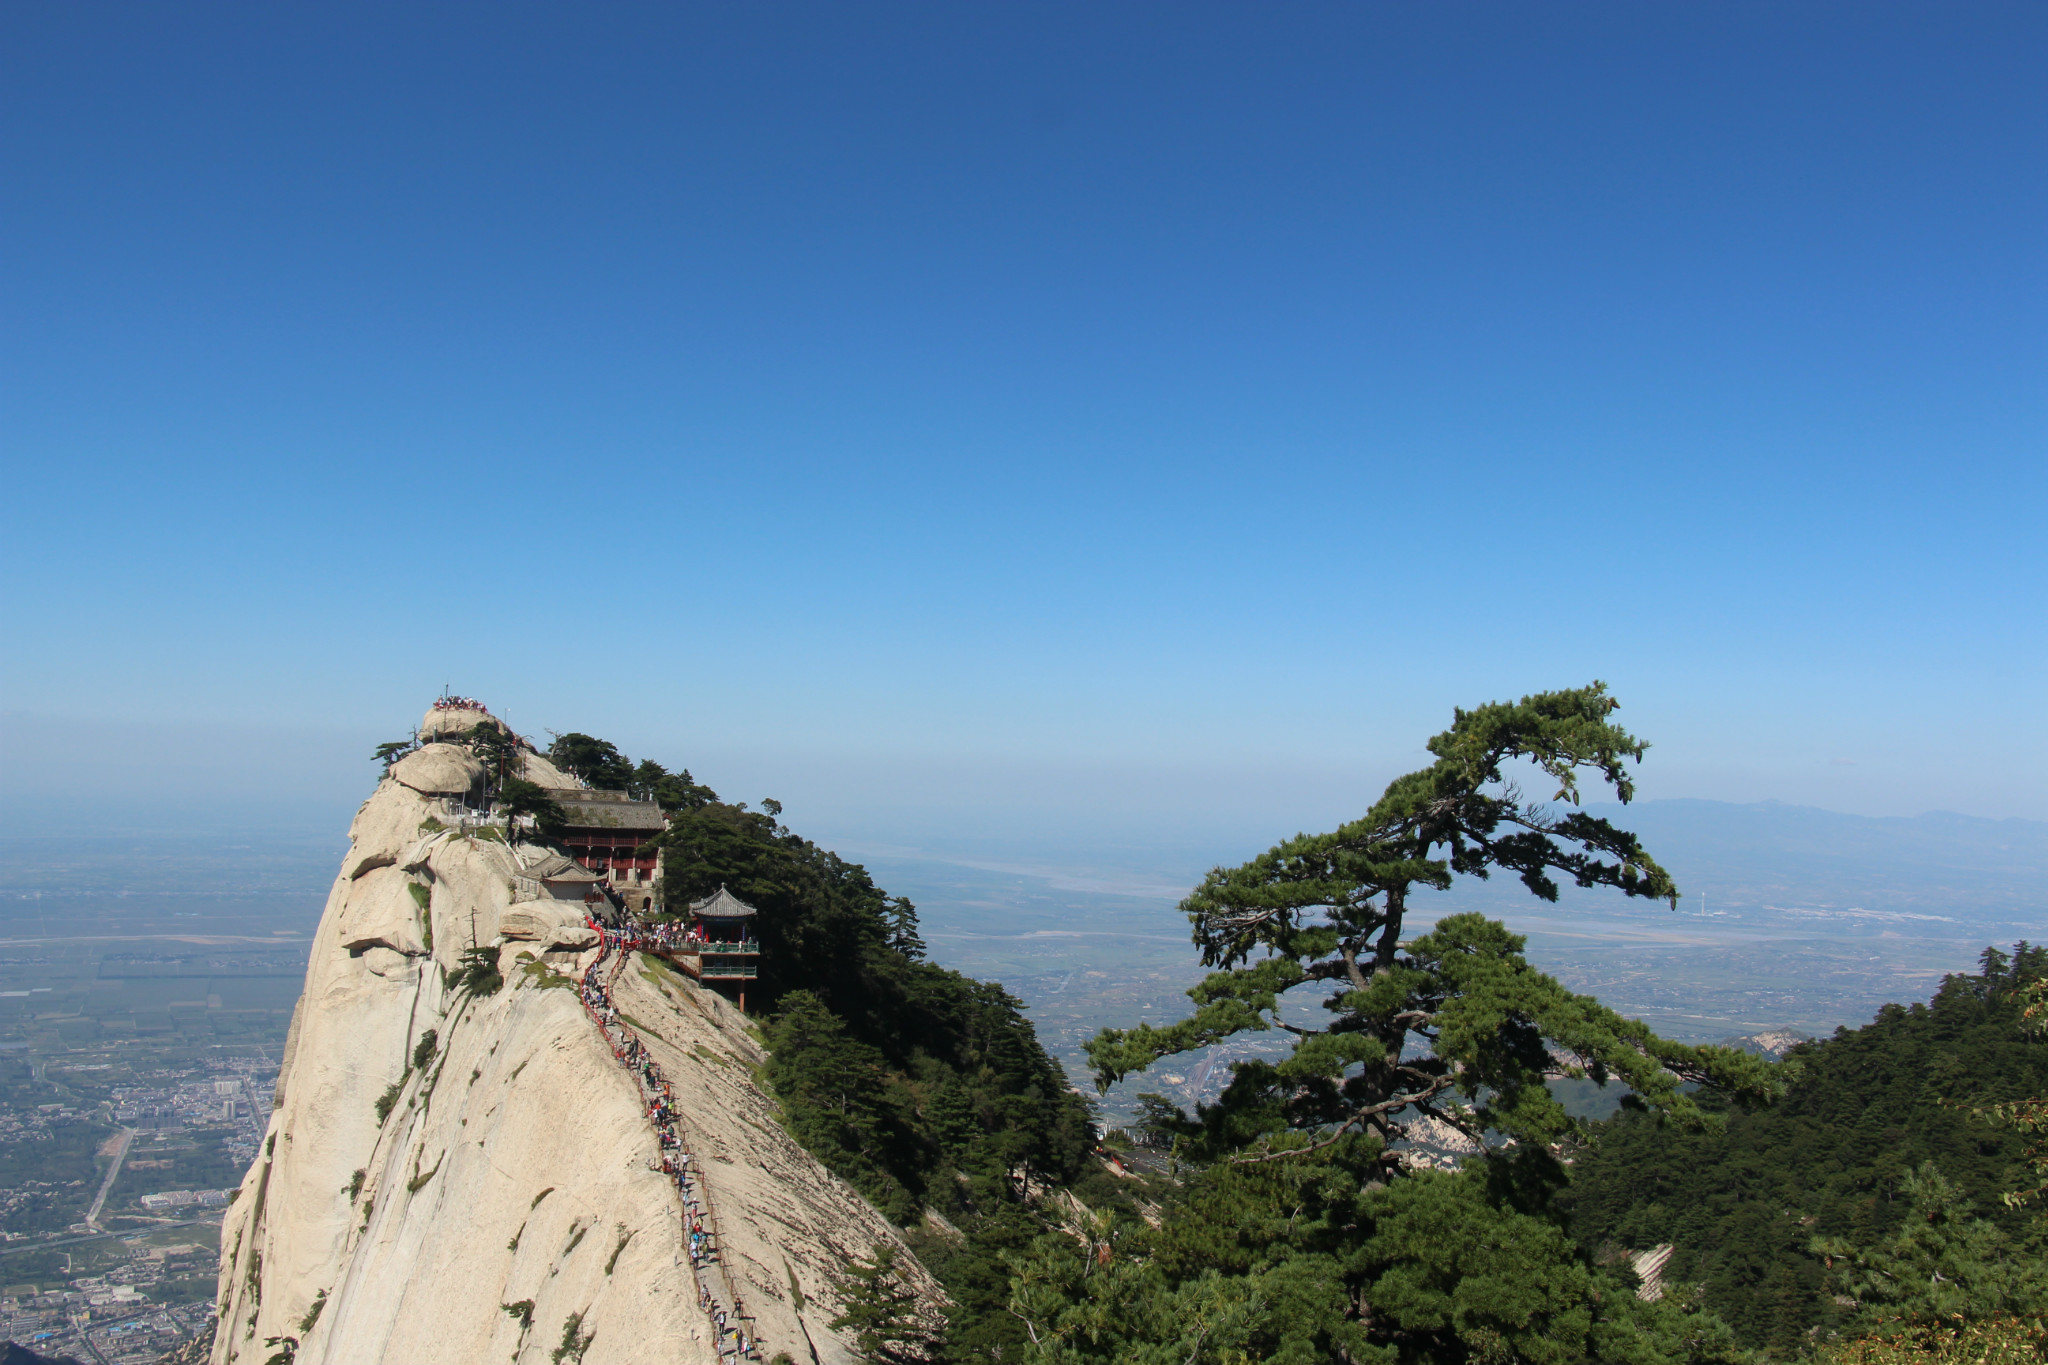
(580,1166)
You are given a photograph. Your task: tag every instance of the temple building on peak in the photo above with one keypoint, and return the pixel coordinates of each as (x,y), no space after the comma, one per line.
(607,833)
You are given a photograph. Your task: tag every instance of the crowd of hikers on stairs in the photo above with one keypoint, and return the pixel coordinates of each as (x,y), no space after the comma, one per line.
(716,1292)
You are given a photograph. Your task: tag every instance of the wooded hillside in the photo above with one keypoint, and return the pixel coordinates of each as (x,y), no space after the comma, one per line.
(1863,1111)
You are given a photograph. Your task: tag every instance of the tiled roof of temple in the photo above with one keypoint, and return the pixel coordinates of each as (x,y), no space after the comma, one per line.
(722,905)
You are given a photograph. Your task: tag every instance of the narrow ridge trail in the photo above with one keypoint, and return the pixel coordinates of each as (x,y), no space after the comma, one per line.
(733,1325)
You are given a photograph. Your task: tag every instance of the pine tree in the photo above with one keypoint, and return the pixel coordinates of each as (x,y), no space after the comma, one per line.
(2028,1116)
(842,1104)
(1945,1265)
(881,1311)
(497,750)
(1453,1025)
(596,761)
(903,935)
(1307,1229)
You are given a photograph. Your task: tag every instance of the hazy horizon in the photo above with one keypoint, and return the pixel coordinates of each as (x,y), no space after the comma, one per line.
(1056,812)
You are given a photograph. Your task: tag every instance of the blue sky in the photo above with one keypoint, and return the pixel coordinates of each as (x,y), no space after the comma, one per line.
(1027,423)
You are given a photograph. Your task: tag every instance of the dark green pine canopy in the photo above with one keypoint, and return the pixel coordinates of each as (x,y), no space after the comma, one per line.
(1452,1025)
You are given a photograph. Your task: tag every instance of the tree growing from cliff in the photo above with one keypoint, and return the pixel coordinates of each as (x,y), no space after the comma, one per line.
(497,749)
(881,1311)
(1453,1025)
(1307,1229)
(478,973)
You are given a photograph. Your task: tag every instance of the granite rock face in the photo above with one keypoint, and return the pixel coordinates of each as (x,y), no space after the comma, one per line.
(439,768)
(502,1200)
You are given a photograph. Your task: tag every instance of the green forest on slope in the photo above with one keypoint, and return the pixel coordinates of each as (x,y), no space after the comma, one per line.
(1744,1201)
(1516,1257)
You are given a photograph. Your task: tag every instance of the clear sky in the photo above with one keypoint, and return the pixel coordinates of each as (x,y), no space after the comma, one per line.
(1022,420)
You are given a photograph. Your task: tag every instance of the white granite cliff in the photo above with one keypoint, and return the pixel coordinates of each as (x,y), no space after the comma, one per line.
(508,1206)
